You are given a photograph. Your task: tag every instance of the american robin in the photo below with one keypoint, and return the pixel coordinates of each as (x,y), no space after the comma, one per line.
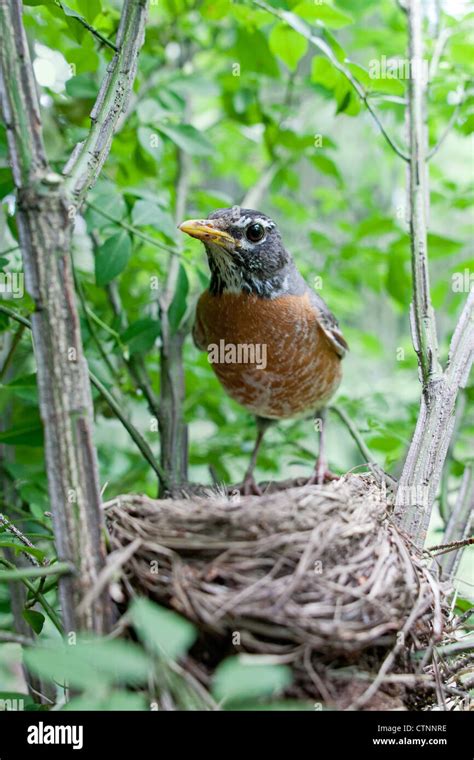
(272,341)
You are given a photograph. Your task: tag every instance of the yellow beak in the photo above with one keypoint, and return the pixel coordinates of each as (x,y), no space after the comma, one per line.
(204,229)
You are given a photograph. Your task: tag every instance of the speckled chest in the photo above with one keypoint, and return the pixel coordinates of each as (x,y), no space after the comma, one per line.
(270,355)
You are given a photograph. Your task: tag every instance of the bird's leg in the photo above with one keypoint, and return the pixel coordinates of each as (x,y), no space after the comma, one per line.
(249,486)
(321,472)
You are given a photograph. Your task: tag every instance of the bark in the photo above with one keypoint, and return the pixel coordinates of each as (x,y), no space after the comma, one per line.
(45,214)
(458,525)
(422,470)
(173,429)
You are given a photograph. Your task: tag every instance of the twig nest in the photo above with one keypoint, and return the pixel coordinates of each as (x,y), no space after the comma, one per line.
(319,569)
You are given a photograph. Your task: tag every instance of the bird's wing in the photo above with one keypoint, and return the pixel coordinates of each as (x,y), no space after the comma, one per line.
(199,335)
(329,324)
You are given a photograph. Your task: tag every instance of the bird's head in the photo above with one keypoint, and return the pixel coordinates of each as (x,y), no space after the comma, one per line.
(245,251)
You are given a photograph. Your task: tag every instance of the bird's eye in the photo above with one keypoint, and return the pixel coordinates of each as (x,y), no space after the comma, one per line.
(255,232)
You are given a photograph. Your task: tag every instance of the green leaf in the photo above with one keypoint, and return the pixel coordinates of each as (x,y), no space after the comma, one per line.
(24,387)
(90,664)
(112,257)
(398,278)
(336,48)
(324,73)
(326,166)
(151,142)
(323,14)
(375,226)
(81,86)
(120,701)
(141,335)
(163,631)
(149,111)
(23,435)
(35,619)
(91,9)
(186,137)
(73,19)
(253,54)
(177,308)
(239,678)
(287,45)
(440,246)
(148,213)
(373,81)
(18,546)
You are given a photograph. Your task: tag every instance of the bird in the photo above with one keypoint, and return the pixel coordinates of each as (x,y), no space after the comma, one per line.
(276,347)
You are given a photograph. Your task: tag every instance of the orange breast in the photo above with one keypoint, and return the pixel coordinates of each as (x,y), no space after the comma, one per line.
(269,354)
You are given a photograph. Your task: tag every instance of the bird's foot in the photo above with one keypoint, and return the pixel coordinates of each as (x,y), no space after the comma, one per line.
(249,487)
(321,475)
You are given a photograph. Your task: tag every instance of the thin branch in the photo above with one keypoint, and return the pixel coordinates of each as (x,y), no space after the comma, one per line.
(461,350)
(457,527)
(16,638)
(435,551)
(90,325)
(254,194)
(440,44)
(88,157)
(449,126)
(13,315)
(133,432)
(19,573)
(41,599)
(362,446)
(299,26)
(21,537)
(14,345)
(114,405)
(133,230)
(422,313)
(89,28)
(20,108)
(134,364)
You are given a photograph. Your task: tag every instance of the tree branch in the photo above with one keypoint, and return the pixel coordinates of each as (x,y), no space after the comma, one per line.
(133,230)
(45,230)
(448,128)
(299,26)
(422,314)
(18,98)
(138,439)
(422,470)
(88,157)
(461,350)
(457,528)
(173,429)
(81,20)
(40,597)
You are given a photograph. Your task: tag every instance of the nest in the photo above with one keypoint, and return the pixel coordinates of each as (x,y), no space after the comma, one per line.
(317,576)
